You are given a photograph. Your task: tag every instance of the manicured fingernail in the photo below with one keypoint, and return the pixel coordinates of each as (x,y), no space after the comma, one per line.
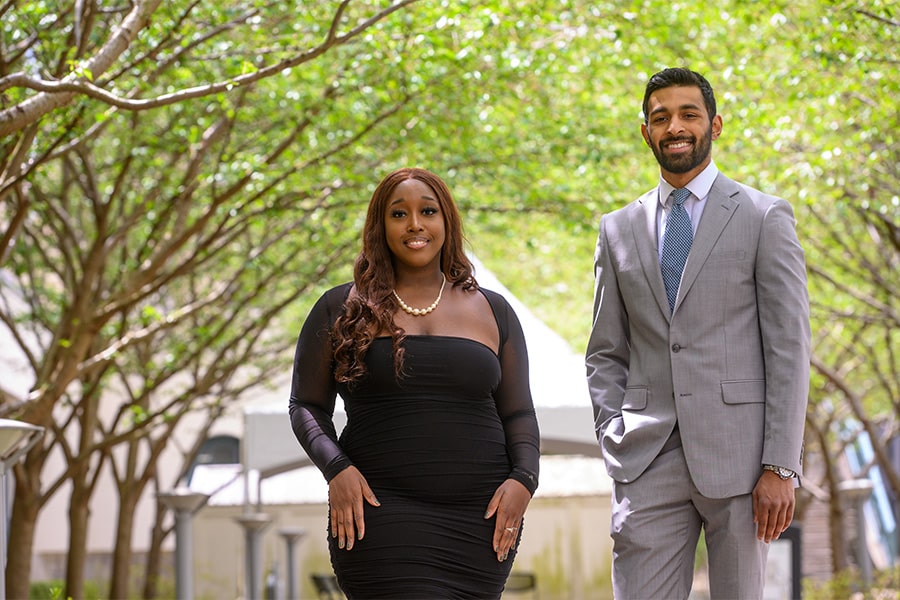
(341,544)
(359,535)
(377,503)
(487,514)
(496,548)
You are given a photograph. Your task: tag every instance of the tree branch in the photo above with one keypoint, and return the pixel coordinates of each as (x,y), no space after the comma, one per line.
(54,94)
(879,18)
(855,403)
(28,111)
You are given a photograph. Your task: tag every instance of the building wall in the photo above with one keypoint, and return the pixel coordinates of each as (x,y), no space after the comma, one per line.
(565,542)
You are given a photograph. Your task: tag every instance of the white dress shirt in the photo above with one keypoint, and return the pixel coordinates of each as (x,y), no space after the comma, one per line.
(699,187)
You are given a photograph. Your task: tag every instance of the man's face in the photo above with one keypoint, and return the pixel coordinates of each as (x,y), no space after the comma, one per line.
(679,131)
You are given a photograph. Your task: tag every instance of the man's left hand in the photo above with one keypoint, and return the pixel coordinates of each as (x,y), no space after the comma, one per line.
(773,505)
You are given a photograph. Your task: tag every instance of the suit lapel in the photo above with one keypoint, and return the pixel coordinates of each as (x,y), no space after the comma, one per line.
(645,239)
(720,207)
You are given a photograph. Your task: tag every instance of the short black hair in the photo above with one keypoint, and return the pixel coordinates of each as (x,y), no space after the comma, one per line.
(677,76)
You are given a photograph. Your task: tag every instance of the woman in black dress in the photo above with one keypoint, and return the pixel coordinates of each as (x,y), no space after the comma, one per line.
(429,481)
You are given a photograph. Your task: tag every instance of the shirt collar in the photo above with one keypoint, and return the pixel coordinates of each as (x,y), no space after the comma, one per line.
(699,185)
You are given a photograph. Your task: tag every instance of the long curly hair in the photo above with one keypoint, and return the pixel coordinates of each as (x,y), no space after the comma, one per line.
(371,310)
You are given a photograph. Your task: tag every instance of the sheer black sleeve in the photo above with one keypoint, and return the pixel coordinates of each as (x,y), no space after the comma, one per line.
(313,389)
(513,398)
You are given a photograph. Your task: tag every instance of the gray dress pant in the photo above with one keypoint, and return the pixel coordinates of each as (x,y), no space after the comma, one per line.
(656,524)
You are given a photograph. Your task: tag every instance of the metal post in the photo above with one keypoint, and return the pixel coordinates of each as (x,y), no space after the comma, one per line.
(254,524)
(183,502)
(291,537)
(16,439)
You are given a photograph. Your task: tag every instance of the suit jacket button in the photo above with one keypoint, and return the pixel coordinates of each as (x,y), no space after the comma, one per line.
(676,348)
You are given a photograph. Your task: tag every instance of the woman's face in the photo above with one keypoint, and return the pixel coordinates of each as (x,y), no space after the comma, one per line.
(414,225)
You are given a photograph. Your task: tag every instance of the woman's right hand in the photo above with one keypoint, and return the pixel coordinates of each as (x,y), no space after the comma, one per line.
(346,492)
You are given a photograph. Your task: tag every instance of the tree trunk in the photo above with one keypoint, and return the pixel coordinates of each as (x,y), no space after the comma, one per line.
(79,513)
(26,505)
(154,556)
(835,517)
(121,558)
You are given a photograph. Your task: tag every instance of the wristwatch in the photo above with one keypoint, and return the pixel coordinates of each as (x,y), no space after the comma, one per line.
(780,471)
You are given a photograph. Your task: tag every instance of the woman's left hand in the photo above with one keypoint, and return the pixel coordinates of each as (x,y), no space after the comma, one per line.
(508,504)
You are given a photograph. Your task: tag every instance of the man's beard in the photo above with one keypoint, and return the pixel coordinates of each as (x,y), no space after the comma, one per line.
(682,163)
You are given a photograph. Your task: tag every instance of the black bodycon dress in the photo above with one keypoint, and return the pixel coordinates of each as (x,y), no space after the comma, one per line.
(434,446)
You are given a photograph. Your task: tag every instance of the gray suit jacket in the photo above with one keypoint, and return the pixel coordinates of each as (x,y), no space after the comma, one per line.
(730,364)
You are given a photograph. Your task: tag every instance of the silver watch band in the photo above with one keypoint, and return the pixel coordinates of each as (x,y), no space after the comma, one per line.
(782,472)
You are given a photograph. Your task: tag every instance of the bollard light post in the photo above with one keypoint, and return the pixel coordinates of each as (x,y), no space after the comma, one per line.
(16,439)
(291,536)
(183,503)
(254,524)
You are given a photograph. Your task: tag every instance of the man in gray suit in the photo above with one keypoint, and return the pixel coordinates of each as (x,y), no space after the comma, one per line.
(698,361)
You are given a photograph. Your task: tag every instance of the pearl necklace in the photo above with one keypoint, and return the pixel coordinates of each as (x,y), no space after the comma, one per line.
(421,312)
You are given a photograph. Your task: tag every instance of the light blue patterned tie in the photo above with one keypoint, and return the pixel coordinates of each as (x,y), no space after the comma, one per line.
(676,244)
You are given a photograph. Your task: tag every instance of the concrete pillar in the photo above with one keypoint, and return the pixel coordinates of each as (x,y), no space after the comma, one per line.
(183,503)
(291,536)
(16,439)
(857,493)
(254,524)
